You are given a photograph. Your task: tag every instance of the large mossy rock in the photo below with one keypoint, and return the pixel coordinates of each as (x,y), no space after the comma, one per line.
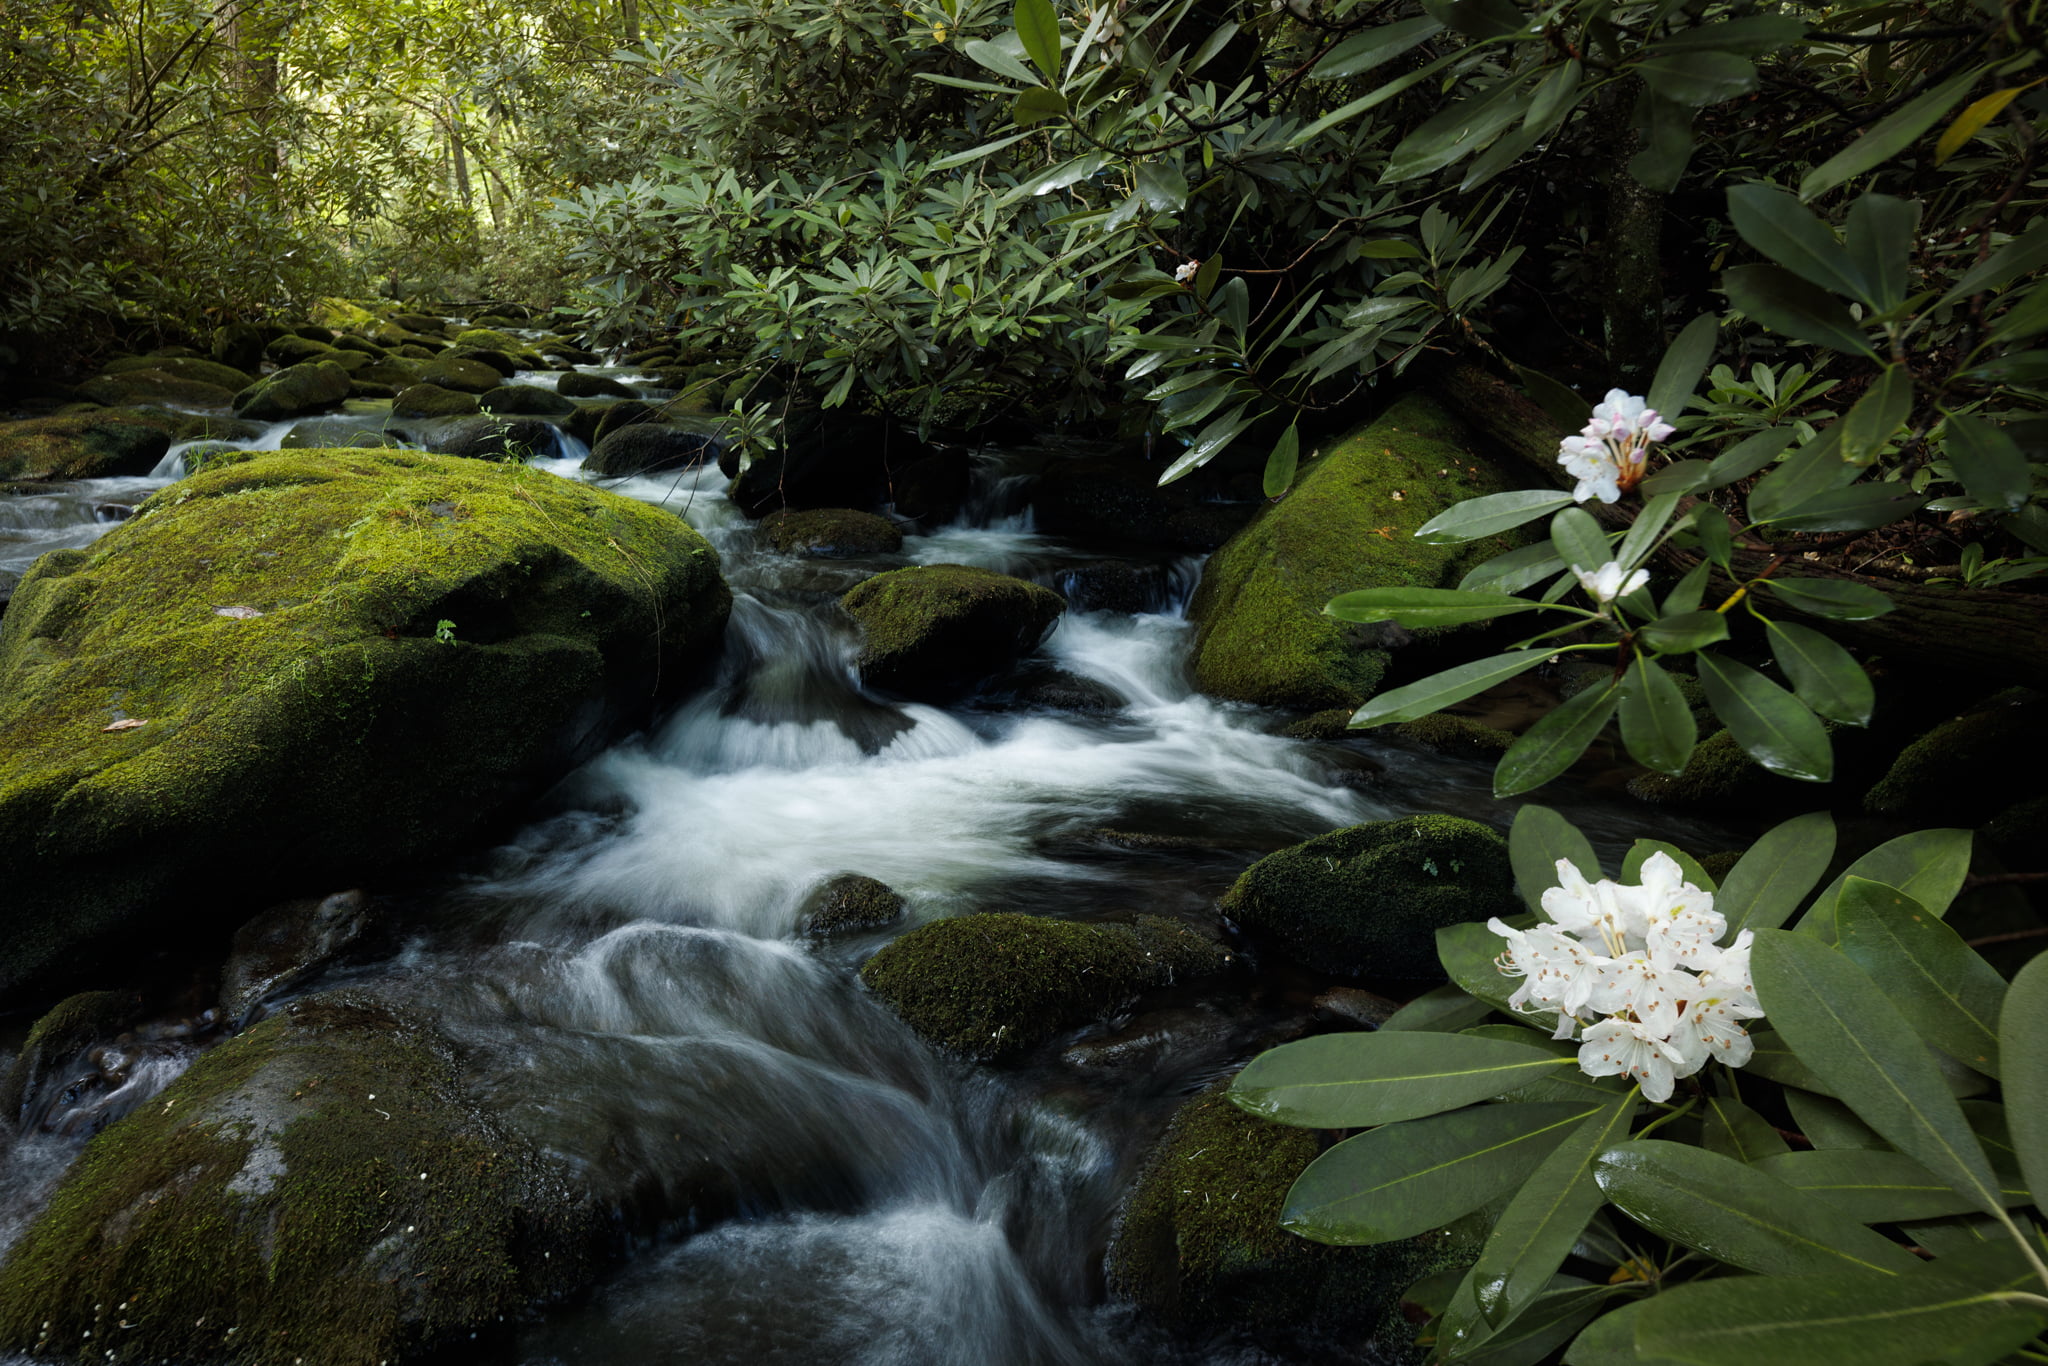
(525,400)
(579,385)
(1969,768)
(831,533)
(132,388)
(271,625)
(462,375)
(89,445)
(197,368)
(996,985)
(431,400)
(1199,1241)
(650,448)
(935,630)
(317,1190)
(1348,523)
(294,392)
(1367,901)
(497,438)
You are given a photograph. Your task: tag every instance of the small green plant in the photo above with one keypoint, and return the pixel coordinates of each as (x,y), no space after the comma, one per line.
(444,631)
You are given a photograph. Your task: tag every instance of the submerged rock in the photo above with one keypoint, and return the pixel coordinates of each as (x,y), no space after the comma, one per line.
(650,448)
(293,392)
(831,533)
(63,1030)
(286,945)
(319,1189)
(93,445)
(1199,1242)
(852,902)
(992,986)
(935,630)
(1367,901)
(1348,523)
(497,438)
(326,732)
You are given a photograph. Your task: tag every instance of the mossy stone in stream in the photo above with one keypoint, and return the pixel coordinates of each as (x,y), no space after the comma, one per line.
(85,445)
(1718,773)
(271,625)
(830,533)
(318,1190)
(461,375)
(65,1028)
(195,368)
(292,349)
(294,392)
(527,400)
(497,438)
(1348,523)
(1457,735)
(935,630)
(1367,901)
(650,448)
(996,985)
(489,339)
(431,400)
(579,385)
(1969,768)
(1199,1241)
(154,387)
(852,902)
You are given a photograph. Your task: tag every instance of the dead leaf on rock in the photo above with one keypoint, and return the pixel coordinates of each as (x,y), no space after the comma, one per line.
(238,613)
(128,723)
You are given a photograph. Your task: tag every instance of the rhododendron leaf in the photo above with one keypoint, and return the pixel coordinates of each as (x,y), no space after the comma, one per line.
(1344,1081)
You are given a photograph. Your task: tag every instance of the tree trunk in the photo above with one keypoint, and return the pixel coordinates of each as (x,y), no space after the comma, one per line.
(1632,308)
(457,158)
(1992,635)
(629,19)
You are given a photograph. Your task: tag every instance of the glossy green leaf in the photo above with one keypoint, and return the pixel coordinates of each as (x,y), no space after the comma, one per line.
(1361,52)
(1880,234)
(2023,1051)
(1440,690)
(1787,232)
(1835,1320)
(1717,538)
(1685,361)
(1738,1214)
(1206,276)
(1641,852)
(1785,303)
(1610,1340)
(1939,983)
(1684,633)
(1769,881)
(1685,595)
(1824,675)
(1537,840)
(2023,255)
(1827,1123)
(1454,131)
(1862,508)
(1927,865)
(1697,77)
(998,59)
(1162,187)
(1989,463)
(1234,304)
(1036,105)
(1876,1186)
(1579,539)
(1657,726)
(1684,476)
(1840,1024)
(1281,464)
(1814,469)
(1878,415)
(1749,455)
(1752,36)
(1536,1231)
(1425,606)
(1038,28)
(1345,1081)
(1489,516)
(1888,137)
(1732,1129)
(1554,94)
(1442,1010)
(1772,726)
(1550,1321)
(1555,742)
(1515,570)
(2027,318)
(1835,599)
(1400,1180)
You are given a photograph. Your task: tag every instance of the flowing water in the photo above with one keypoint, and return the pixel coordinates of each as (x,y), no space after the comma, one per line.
(804,1180)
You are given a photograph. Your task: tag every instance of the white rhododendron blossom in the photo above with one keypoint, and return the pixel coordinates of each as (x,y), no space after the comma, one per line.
(1641,969)
(1185,271)
(1608,454)
(1608,582)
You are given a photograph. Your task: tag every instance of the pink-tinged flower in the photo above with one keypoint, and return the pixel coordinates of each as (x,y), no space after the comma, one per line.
(1608,455)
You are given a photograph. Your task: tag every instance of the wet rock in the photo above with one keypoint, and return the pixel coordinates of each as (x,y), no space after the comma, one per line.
(555,348)
(629,413)
(345,342)
(1143,1043)
(86,445)
(327,433)
(1366,1009)
(1058,690)
(292,349)
(56,1038)
(1348,523)
(932,487)
(1119,502)
(528,400)
(396,371)
(321,1182)
(830,533)
(463,376)
(332,735)
(1115,586)
(649,448)
(1332,723)
(240,346)
(1968,769)
(136,387)
(431,400)
(1199,1241)
(489,339)
(426,324)
(294,392)
(203,453)
(1367,900)
(993,986)
(193,368)
(1460,736)
(933,631)
(1140,841)
(506,364)
(827,460)
(286,945)
(577,385)
(496,438)
(852,902)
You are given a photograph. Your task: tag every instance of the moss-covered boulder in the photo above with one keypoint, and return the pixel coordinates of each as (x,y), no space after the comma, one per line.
(463,376)
(525,400)
(196,368)
(64,1029)
(1461,736)
(318,1190)
(1719,774)
(996,985)
(241,692)
(294,392)
(85,445)
(240,346)
(156,388)
(330,433)
(431,400)
(345,342)
(1968,769)
(1367,901)
(830,533)
(1349,522)
(506,364)
(578,385)
(851,902)
(489,339)
(650,448)
(935,630)
(1199,1241)
(293,349)
(396,371)
(497,438)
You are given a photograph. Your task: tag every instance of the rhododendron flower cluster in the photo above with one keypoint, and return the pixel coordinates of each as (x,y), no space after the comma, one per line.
(1608,455)
(1637,974)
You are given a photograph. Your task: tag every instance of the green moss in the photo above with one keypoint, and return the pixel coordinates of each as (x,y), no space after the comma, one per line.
(431,400)
(93,444)
(295,391)
(1459,735)
(1967,769)
(1200,1244)
(830,532)
(489,339)
(292,349)
(1332,723)
(1261,633)
(315,1190)
(853,902)
(154,387)
(333,734)
(938,628)
(1718,772)
(527,400)
(68,1026)
(462,375)
(1368,900)
(993,986)
(1718,865)
(188,368)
